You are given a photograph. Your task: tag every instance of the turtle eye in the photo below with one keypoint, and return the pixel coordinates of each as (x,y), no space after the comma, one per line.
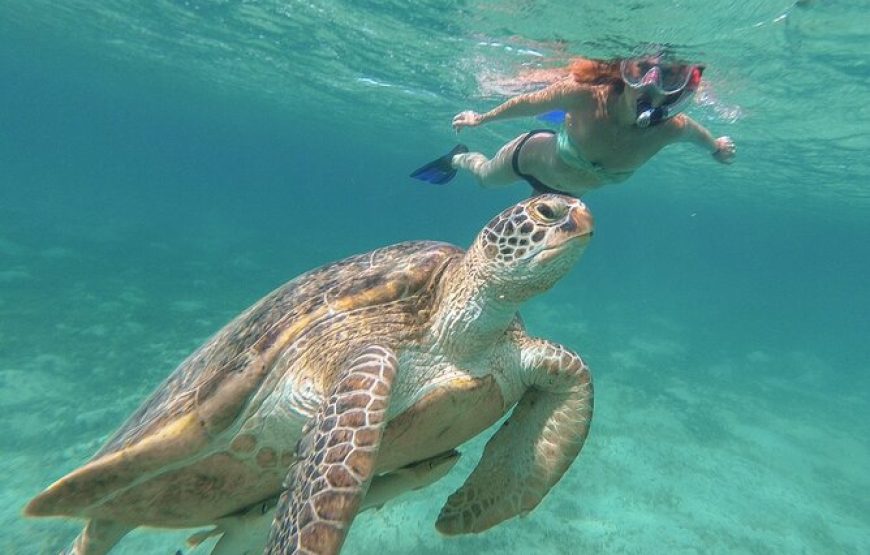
(549,212)
(545,211)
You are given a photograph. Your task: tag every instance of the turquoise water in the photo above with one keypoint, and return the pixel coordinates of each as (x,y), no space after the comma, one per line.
(163,165)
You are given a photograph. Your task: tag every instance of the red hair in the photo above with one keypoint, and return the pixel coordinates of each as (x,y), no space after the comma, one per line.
(597,72)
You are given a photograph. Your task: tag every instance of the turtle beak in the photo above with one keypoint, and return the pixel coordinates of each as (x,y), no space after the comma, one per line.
(579,224)
(574,233)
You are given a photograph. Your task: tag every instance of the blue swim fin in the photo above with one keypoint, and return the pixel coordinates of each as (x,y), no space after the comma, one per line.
(441,170)
(556,117)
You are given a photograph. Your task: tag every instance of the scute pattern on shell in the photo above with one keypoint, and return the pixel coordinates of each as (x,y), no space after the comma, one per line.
(251,341)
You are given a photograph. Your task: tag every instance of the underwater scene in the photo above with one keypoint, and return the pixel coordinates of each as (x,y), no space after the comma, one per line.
(165,165)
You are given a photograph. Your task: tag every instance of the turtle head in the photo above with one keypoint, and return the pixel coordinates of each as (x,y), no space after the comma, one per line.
(527,248)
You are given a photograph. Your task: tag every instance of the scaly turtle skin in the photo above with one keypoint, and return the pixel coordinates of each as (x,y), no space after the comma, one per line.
(347,375)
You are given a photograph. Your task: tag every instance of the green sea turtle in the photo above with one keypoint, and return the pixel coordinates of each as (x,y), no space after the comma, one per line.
(346,377)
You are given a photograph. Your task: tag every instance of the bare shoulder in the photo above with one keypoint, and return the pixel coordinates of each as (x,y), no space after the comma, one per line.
(574,93)
(584,90)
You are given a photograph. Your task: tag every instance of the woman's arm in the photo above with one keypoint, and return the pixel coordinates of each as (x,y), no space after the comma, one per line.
(561,95)
(722,149)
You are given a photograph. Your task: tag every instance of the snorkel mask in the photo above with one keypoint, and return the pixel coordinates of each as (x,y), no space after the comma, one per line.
(676,82)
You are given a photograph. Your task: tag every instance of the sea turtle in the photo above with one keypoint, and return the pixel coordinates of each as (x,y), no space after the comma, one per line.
(346,376)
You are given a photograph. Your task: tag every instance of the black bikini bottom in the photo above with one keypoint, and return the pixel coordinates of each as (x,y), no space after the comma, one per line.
(538,187)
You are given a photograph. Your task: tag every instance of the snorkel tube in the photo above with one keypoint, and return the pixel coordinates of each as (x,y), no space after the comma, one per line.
(676,102)
(648,115)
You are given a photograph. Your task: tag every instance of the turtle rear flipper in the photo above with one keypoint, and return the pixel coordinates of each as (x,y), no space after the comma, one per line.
(533,448)
(336,461)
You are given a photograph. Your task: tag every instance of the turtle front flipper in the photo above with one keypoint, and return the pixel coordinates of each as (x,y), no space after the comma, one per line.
(533,448)
(336,460)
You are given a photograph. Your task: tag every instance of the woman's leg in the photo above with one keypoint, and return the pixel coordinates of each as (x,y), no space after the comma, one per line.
(495,172)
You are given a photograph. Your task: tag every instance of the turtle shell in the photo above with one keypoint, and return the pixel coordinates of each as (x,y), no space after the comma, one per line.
(181,423)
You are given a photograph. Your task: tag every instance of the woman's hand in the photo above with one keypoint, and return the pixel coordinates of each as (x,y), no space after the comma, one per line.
(467,118)
(725,150)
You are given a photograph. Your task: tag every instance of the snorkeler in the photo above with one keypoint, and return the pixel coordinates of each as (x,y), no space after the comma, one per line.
(617,115)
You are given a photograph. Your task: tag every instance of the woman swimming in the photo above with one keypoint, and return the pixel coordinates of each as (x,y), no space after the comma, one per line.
(618,115)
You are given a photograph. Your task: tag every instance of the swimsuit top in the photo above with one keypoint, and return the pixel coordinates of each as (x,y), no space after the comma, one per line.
(570,154)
